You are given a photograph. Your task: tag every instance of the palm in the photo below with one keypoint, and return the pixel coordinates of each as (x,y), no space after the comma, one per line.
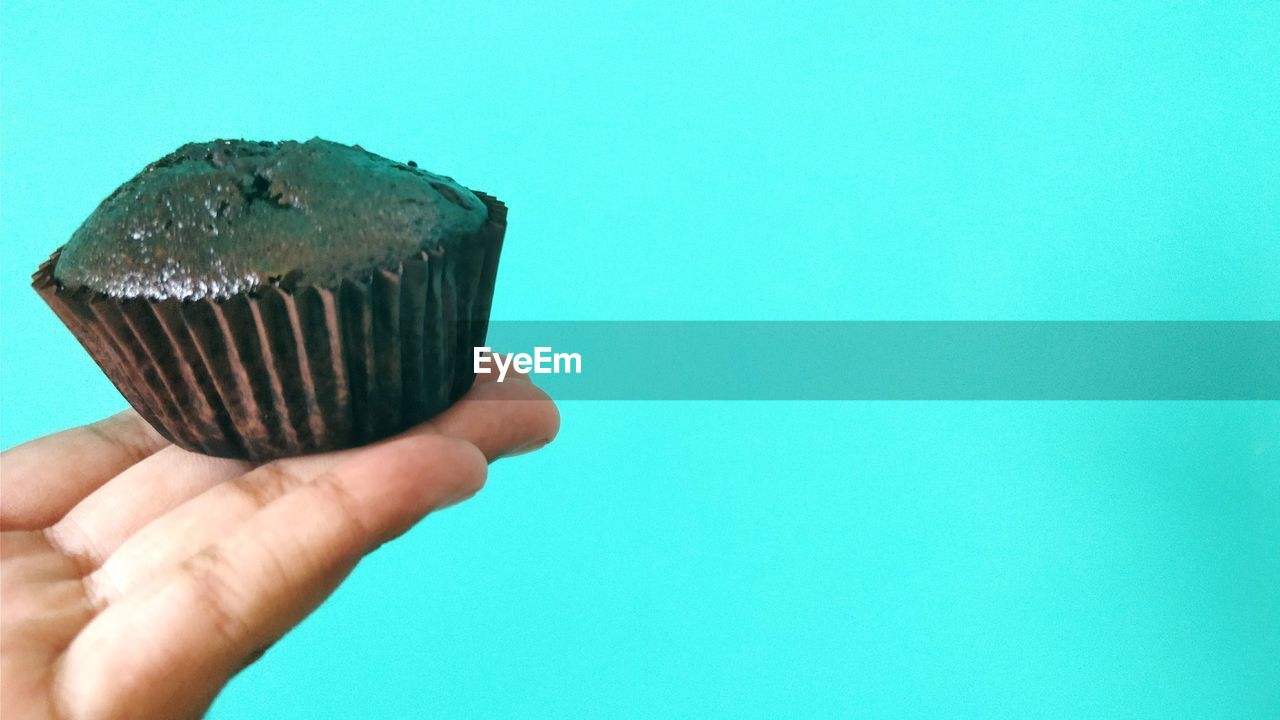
(137,578)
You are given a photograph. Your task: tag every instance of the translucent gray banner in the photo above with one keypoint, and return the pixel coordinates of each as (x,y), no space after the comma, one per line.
(660,360)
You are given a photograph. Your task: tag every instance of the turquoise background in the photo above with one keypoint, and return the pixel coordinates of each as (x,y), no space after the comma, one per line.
(755,160)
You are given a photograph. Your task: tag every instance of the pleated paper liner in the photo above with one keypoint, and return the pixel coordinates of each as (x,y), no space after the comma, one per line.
(279,371)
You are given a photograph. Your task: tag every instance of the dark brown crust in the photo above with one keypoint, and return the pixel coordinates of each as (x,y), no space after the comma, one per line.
(277,371)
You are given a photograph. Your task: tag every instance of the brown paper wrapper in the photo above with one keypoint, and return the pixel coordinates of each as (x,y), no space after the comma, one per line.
(278,371)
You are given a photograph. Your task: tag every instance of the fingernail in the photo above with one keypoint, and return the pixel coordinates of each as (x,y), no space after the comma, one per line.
(524,449)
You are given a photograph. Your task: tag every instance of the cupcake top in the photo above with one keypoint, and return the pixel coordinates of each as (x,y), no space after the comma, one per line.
(213,219)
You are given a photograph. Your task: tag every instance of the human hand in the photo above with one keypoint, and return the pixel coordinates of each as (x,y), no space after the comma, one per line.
(136,578)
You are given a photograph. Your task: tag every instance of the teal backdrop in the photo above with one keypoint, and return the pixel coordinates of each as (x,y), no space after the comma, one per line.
(754,160)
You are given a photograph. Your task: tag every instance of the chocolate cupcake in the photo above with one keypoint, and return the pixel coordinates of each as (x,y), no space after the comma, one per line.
(259,300)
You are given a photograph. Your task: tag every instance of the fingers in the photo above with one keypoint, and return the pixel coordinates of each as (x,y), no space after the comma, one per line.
(45,478)
(502,419)
(499,419)
(191,628)
(184,531)
(42,605)
(100,523)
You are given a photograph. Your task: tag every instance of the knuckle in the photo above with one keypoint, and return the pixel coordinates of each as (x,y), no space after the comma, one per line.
(263,485)
(216,595)
(127,435)
(342,507)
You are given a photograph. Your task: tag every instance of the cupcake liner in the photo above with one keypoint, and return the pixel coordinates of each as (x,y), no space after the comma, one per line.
(279,371)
